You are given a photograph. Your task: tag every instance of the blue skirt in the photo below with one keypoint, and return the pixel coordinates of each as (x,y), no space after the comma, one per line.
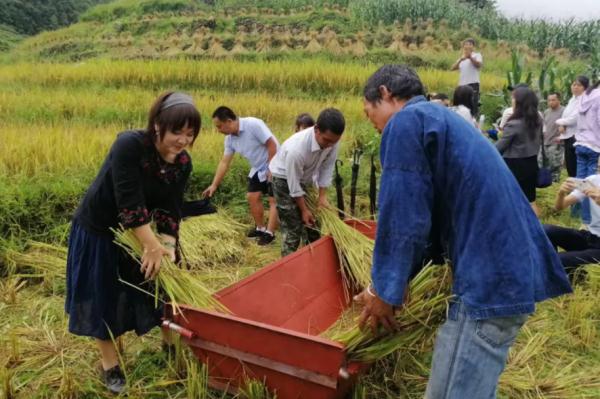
(98,304)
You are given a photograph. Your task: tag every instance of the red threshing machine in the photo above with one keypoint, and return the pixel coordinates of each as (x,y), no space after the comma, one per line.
(272,333)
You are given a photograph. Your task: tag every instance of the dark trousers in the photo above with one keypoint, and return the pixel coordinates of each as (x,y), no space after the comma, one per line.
(476,97)
(581,247)
(570,157)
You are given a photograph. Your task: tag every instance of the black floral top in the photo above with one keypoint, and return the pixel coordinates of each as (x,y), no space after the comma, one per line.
(136,186)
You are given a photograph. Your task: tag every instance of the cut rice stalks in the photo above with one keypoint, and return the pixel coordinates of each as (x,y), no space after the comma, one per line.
(179,285)
(418,319)
(211,240)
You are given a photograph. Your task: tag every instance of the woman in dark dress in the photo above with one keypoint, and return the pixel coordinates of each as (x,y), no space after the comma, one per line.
(521,141)
(141,181)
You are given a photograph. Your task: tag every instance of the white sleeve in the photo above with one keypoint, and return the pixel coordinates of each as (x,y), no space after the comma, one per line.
(262,132)
(326,169)
(294,170)
(229,150)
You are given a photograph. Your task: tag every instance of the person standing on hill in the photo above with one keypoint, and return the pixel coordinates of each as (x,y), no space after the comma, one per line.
(502,262)
(251,138)
(306,159)
(553,146)
(469,66)
(141,181)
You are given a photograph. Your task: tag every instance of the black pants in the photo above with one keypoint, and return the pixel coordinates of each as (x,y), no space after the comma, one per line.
(570,157)
(476,97)
(581,247)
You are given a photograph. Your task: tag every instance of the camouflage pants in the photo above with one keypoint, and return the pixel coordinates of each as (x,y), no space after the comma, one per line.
(554,159)
(293,231)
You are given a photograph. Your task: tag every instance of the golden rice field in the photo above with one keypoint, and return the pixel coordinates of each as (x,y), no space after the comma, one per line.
(57,122)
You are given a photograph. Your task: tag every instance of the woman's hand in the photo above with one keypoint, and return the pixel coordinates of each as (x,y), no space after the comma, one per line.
(152,259)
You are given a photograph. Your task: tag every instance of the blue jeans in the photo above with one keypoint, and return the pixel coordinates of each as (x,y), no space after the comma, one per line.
(470,355)
(587,165)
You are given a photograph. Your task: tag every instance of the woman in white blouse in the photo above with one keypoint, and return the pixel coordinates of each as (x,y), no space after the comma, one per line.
(568,124)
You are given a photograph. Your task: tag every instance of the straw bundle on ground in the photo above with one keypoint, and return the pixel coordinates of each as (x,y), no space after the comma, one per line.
(211,240)
(179,285)
(41,261)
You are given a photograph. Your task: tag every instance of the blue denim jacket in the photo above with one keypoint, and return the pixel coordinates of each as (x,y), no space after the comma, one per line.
(437,169)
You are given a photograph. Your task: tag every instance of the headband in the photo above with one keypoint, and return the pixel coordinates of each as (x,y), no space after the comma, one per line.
(177,99)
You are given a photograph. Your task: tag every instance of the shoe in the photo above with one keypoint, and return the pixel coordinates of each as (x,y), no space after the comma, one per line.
(266,238)
(114,379)
(255,233)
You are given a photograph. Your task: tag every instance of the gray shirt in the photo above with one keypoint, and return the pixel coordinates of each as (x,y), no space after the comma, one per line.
(251,142)
(518,141)
(301,160)
(551,132)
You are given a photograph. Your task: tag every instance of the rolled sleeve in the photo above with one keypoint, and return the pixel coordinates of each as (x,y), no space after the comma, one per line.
(326,169)
(293,167)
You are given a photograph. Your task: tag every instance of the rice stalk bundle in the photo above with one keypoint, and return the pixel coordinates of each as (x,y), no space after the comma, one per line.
(211,240)
(417,319)
(179,285)
(46,260)
(355,250)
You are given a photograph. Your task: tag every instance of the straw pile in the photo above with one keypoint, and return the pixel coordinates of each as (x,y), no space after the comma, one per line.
(180,286)
(211,240)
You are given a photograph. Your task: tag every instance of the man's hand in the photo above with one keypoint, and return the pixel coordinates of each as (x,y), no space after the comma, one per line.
(375,312)
(323,203)
(210,191)
(307,218)
(561,129)
(593,193)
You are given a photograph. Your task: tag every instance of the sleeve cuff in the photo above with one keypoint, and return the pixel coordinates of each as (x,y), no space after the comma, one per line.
(131,218)
(166,224)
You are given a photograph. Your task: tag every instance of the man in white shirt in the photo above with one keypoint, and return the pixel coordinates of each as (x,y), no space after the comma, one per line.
(469,65)
(305,159)
(251,138)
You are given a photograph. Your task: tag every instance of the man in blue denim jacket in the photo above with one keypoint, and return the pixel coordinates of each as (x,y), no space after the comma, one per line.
(438,170)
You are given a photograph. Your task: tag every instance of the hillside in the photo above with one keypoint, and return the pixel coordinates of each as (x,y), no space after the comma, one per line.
(419,33)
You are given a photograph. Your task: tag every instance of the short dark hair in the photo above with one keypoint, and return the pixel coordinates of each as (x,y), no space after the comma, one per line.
(224,113)
(583,80)
(401,80)
(464,95)
(554,93)
(439,96)
(172,119)
(469,40)
(304,120)
(332,120)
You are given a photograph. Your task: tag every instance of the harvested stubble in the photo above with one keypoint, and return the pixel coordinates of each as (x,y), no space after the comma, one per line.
(211,240)
(181,286)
